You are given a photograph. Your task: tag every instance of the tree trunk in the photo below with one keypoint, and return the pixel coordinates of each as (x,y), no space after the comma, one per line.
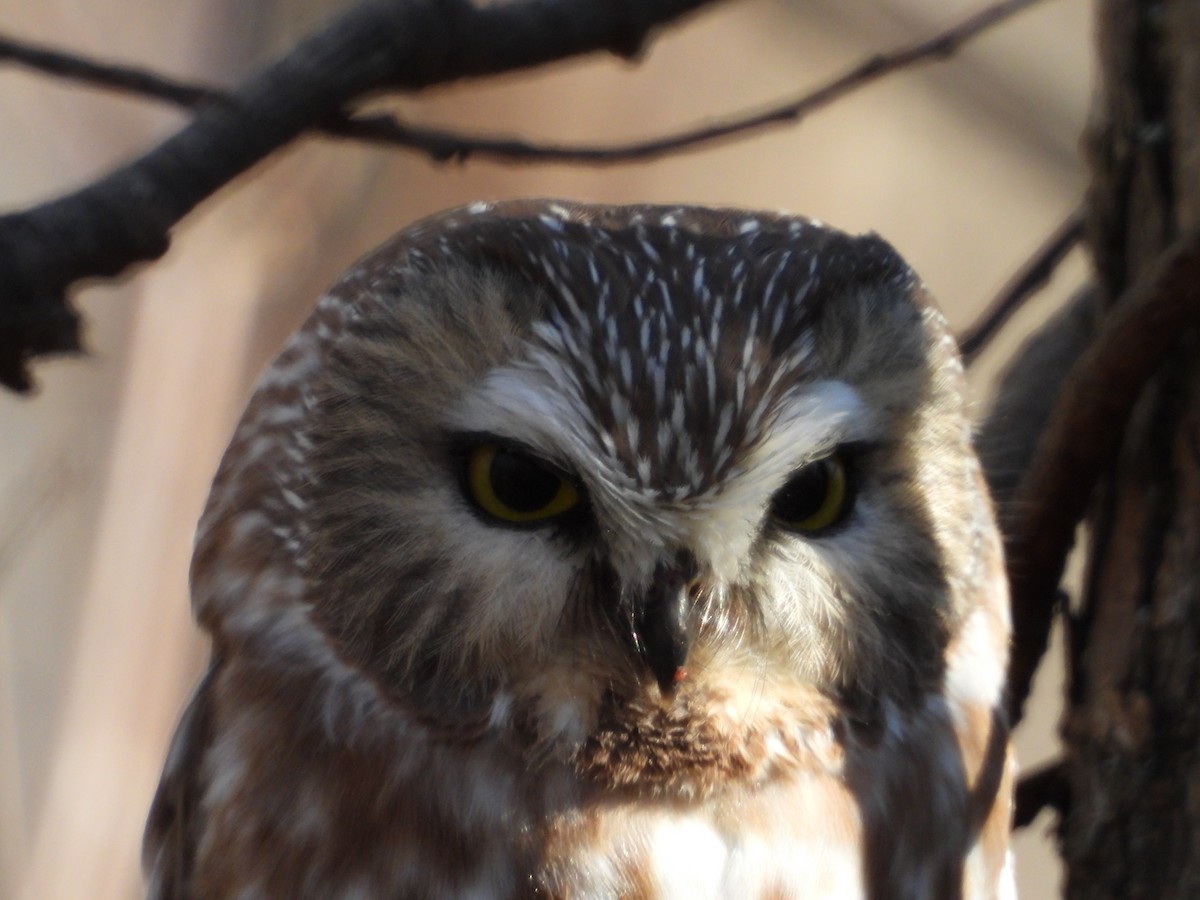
(1132,724)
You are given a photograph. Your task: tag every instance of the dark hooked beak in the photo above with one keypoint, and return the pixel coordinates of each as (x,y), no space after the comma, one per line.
(660,630)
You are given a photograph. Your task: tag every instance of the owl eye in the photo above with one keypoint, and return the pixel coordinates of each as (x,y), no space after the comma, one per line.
(516,488)
(815,498)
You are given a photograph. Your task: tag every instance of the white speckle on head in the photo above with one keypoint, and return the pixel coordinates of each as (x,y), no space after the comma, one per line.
(226,768)
(620,408)
(724,423)
(668,310)
(658,377)
(777,321)
(644,469)
(294,500)
(677,412)
(612,340)
(626,363)
(710,377)
(501,710)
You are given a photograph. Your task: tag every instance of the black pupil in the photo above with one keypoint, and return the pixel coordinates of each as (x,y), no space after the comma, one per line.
(804,493)
(520,483)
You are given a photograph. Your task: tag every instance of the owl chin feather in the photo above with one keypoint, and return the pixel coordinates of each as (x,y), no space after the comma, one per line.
(702,740)
(733,721)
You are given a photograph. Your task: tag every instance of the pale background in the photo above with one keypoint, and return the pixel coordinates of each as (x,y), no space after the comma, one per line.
(965,166)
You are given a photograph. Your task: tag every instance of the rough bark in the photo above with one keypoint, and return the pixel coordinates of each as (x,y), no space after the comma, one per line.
(1132,724)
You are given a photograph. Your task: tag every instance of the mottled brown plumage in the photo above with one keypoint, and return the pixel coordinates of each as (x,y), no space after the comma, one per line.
(576,551)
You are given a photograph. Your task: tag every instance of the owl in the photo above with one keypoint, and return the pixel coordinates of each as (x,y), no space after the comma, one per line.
(579,551)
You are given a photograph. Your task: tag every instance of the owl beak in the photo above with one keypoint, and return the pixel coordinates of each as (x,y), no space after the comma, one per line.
(660,630)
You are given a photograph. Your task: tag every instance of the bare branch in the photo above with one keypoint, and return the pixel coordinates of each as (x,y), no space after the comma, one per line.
(444,145)
(1041,789)
(1028,388)
(401,44)
(109,76)
(1036,271)
(1082,440)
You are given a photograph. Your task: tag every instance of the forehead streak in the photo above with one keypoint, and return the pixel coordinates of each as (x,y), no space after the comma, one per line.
(540,408)
(642,519)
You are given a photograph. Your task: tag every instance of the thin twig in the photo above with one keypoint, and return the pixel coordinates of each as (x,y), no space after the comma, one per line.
(126,216)
(1036,271)
(109,76)
(1041,789)
(1027,392)
(445,145)
(1082,440)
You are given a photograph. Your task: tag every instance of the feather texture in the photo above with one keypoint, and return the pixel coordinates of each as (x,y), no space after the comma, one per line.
(409,697)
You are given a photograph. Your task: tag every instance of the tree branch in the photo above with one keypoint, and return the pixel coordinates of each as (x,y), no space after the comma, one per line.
(125,217)
(1028,389)
(1082,440)
(1036,271)
(442,145)
(108,76)
(1041,788)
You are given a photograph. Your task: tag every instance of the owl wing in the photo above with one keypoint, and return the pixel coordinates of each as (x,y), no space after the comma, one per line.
(176,817)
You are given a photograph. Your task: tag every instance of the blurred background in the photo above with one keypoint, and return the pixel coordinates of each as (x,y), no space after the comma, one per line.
(965,166)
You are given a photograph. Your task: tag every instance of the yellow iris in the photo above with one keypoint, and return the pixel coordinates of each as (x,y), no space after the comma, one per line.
(516,488)
(815,498)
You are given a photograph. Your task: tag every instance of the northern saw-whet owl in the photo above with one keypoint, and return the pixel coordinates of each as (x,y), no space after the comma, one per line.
(580,551)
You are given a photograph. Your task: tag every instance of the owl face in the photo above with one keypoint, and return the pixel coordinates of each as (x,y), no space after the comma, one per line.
(562,457)
(597,552)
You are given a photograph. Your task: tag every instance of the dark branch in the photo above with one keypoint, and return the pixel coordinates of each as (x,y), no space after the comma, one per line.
(127,79)
(1024,284)
(1027,393)
(1082,440)
(126,217)
(1041,789)
(444,145)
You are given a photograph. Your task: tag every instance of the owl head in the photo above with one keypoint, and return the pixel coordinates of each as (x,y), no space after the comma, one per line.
(543,458)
